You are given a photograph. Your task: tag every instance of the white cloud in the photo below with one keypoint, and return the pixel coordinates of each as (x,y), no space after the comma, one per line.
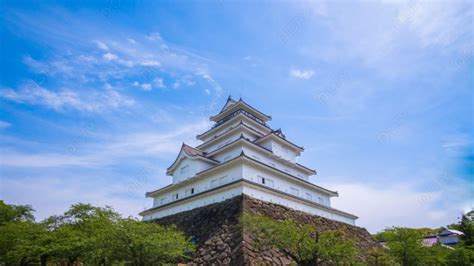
(59,193)
(146,86)
(151,63)
(186,81)
(301,74)
(45,160)
(110,57)
(438,23)
(102,45)
(399,204)
(110,149)
(401,38)
(155,36)
(4,124)
(158,82)
(141,54)
(97,100)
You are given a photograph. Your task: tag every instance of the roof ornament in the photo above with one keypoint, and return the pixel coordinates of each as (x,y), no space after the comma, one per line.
(279,132)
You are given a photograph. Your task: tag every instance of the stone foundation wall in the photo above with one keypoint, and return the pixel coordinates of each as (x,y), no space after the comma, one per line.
(221,241)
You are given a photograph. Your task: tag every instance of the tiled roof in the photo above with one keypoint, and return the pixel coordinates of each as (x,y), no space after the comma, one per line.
(192,151)
(241,102)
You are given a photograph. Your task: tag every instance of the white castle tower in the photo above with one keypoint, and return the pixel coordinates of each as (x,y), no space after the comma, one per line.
(239,155)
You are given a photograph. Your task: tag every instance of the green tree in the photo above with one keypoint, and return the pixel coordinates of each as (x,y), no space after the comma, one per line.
(10,213)
(89,234)
(460,257)
(304,244)
(19,235)
(380,257)
(79,234)
(466,225)
(404,244)
(149,243)
(435,255)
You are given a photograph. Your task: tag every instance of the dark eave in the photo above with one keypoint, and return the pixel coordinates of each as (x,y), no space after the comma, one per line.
(242,155)
(220,126)
(334,193)
(281,138)
(259,147)
(191,152)
(239,102)
(240,124)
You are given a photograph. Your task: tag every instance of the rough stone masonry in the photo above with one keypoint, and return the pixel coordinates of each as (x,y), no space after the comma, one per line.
(221,241)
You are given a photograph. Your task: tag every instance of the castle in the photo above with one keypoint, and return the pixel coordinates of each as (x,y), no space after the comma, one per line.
(242,155)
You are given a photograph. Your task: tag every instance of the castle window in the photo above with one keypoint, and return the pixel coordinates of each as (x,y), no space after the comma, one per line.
(162,201)
(269,182)
(320,200)
(295,191)
(223,180)
(175,196)
(184,169)
(308,196)
(189,192)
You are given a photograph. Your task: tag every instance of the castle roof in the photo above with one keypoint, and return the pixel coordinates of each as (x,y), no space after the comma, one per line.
(232,106)
(191,153)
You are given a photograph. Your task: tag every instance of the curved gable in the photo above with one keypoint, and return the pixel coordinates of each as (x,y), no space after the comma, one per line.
(188,153)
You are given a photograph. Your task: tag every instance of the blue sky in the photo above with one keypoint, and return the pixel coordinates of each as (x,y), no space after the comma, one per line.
(96,98)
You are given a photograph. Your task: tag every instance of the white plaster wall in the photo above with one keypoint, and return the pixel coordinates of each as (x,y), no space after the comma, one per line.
(267,144)
(228,154)
(233,122)
(297,205)
(196,202)
(257,154)
(230,138)
(283,151)
(252,173)
(194,166)
(221,129)
(200,184)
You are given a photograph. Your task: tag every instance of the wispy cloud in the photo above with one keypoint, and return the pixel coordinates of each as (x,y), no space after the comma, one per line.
(102,45)
(302,73)
(33,93)
(108,149)
(397,41)
(4,124)
(59,193)
(99,58)
(401,204)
